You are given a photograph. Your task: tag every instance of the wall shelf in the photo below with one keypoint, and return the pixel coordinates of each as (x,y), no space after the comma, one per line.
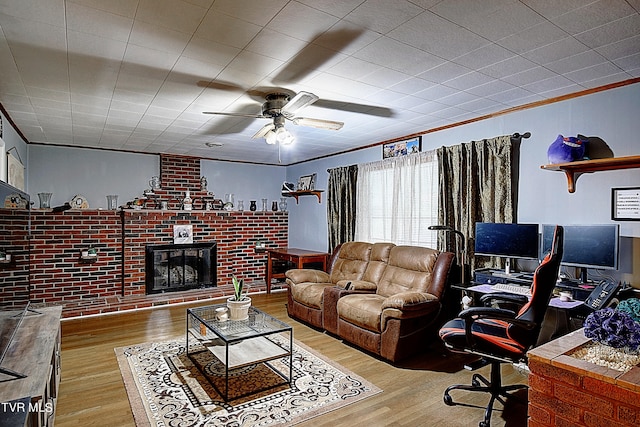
(296,194)
(574,169)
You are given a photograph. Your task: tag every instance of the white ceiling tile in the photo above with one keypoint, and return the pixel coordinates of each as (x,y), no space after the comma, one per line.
(368,15)
(612,32)
(629,63)
(301,21)
(620,49)
(208,51)
(484,56)
(126,8)
(593,15)
(546,85)
(174,14)
(412,85)
(529,76)
(492,20)
(259,13)
(452,40)
(593,73)
(555,51)
(514,65)
(530,38)
(226,29)
(99,23)
(468,80)
(398,56)
(49,12)
(576,62)
(159,38)
(443,72)
(552,9)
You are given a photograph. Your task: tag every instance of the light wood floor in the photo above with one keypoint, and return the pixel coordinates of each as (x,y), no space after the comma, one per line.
(92,392)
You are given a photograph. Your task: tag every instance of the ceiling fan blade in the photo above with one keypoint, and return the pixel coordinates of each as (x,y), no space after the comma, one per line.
(317,123)
(301,100)
(371,110)
(262,132)
(250,116)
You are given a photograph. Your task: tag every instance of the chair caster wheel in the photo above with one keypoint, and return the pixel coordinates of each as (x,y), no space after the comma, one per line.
(475,383)
(448,400)
(483,424)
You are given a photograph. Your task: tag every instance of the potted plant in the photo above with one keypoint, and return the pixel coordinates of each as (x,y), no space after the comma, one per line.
(239,303)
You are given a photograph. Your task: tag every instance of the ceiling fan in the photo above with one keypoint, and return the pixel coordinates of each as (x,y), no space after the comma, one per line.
(279,107)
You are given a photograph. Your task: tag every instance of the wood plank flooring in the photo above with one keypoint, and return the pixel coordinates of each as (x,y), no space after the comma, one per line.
(92,392)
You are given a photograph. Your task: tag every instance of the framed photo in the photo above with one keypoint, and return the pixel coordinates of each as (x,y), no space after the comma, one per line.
(307,183)
(625,204)
(182,234)
(402,148)
(15,172)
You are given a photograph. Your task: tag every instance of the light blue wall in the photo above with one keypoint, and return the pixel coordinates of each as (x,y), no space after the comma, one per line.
(67,172)
(247,182)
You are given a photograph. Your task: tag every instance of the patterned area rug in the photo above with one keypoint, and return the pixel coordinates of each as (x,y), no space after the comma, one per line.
(166,388)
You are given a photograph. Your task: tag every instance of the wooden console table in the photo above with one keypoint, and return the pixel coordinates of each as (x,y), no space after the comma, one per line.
(299,257)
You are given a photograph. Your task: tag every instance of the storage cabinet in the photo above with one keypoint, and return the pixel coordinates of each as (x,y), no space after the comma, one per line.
(35,352)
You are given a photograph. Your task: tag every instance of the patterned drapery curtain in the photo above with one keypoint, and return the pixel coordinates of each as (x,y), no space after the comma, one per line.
(478,183)
(341,204)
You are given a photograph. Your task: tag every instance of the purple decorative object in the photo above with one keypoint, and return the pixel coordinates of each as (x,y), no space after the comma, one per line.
(614,328)
(566,149)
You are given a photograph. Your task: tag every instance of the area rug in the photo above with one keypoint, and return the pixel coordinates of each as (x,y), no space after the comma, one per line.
(166,388)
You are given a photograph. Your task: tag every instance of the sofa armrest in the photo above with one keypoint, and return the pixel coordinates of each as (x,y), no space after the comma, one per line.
(409,301)
(305,275)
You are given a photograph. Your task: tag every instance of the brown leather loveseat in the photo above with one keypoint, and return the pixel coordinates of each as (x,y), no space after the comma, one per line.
(381,297)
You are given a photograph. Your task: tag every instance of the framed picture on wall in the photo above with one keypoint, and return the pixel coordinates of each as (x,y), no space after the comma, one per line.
(402,148)
(182,234)
(625,204)
(15,171)
(307,183)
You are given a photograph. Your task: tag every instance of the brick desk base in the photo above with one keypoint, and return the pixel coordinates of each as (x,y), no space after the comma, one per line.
(565,391)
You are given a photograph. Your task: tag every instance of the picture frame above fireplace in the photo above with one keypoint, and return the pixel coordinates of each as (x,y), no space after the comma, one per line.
(182,234)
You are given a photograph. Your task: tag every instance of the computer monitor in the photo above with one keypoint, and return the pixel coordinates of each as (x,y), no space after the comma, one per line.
(586,246)
(507,240)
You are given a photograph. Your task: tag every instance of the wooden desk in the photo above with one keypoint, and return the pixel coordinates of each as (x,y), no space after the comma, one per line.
(299,257)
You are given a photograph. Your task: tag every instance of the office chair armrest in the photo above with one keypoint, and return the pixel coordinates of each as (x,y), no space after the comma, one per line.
(504,297)
(475,313)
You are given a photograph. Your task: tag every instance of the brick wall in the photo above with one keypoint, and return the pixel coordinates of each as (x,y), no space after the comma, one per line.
(564,391)
(58,273)
(14,275)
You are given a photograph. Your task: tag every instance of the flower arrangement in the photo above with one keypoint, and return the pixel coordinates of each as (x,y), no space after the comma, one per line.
(615,328)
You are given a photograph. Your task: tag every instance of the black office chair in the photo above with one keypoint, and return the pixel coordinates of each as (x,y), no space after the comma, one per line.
(500,335)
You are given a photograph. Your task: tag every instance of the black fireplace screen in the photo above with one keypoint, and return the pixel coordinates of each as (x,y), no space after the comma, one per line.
(180,267)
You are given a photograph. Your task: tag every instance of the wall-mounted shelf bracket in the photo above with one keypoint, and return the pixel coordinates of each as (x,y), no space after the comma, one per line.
(296,194)
(573,170)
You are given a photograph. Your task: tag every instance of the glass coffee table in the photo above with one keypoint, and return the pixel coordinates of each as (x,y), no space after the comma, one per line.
(240,343)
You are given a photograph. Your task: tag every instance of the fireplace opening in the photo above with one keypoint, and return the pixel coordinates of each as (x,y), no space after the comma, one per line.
(170,268)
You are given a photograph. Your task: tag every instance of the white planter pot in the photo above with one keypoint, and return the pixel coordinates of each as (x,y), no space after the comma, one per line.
(239,310)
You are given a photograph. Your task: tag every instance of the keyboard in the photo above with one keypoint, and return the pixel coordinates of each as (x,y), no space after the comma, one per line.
(512,289)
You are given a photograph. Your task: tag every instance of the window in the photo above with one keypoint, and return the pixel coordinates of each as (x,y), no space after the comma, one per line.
(397,199)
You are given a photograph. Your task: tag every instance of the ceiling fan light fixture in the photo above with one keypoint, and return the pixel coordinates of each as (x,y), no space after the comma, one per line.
(283,136)
(270,137)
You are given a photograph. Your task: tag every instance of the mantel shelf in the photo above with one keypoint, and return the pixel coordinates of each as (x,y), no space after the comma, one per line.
(574,169)
(296,194)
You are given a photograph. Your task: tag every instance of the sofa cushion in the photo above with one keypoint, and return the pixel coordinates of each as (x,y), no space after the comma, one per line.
(409,268)
(351,262)
(309,294)
(362,310)
(378,262)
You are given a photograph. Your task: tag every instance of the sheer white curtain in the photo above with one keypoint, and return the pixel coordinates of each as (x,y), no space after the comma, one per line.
(397,199)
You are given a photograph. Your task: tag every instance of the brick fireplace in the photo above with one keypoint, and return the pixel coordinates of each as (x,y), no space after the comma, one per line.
(60,275)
